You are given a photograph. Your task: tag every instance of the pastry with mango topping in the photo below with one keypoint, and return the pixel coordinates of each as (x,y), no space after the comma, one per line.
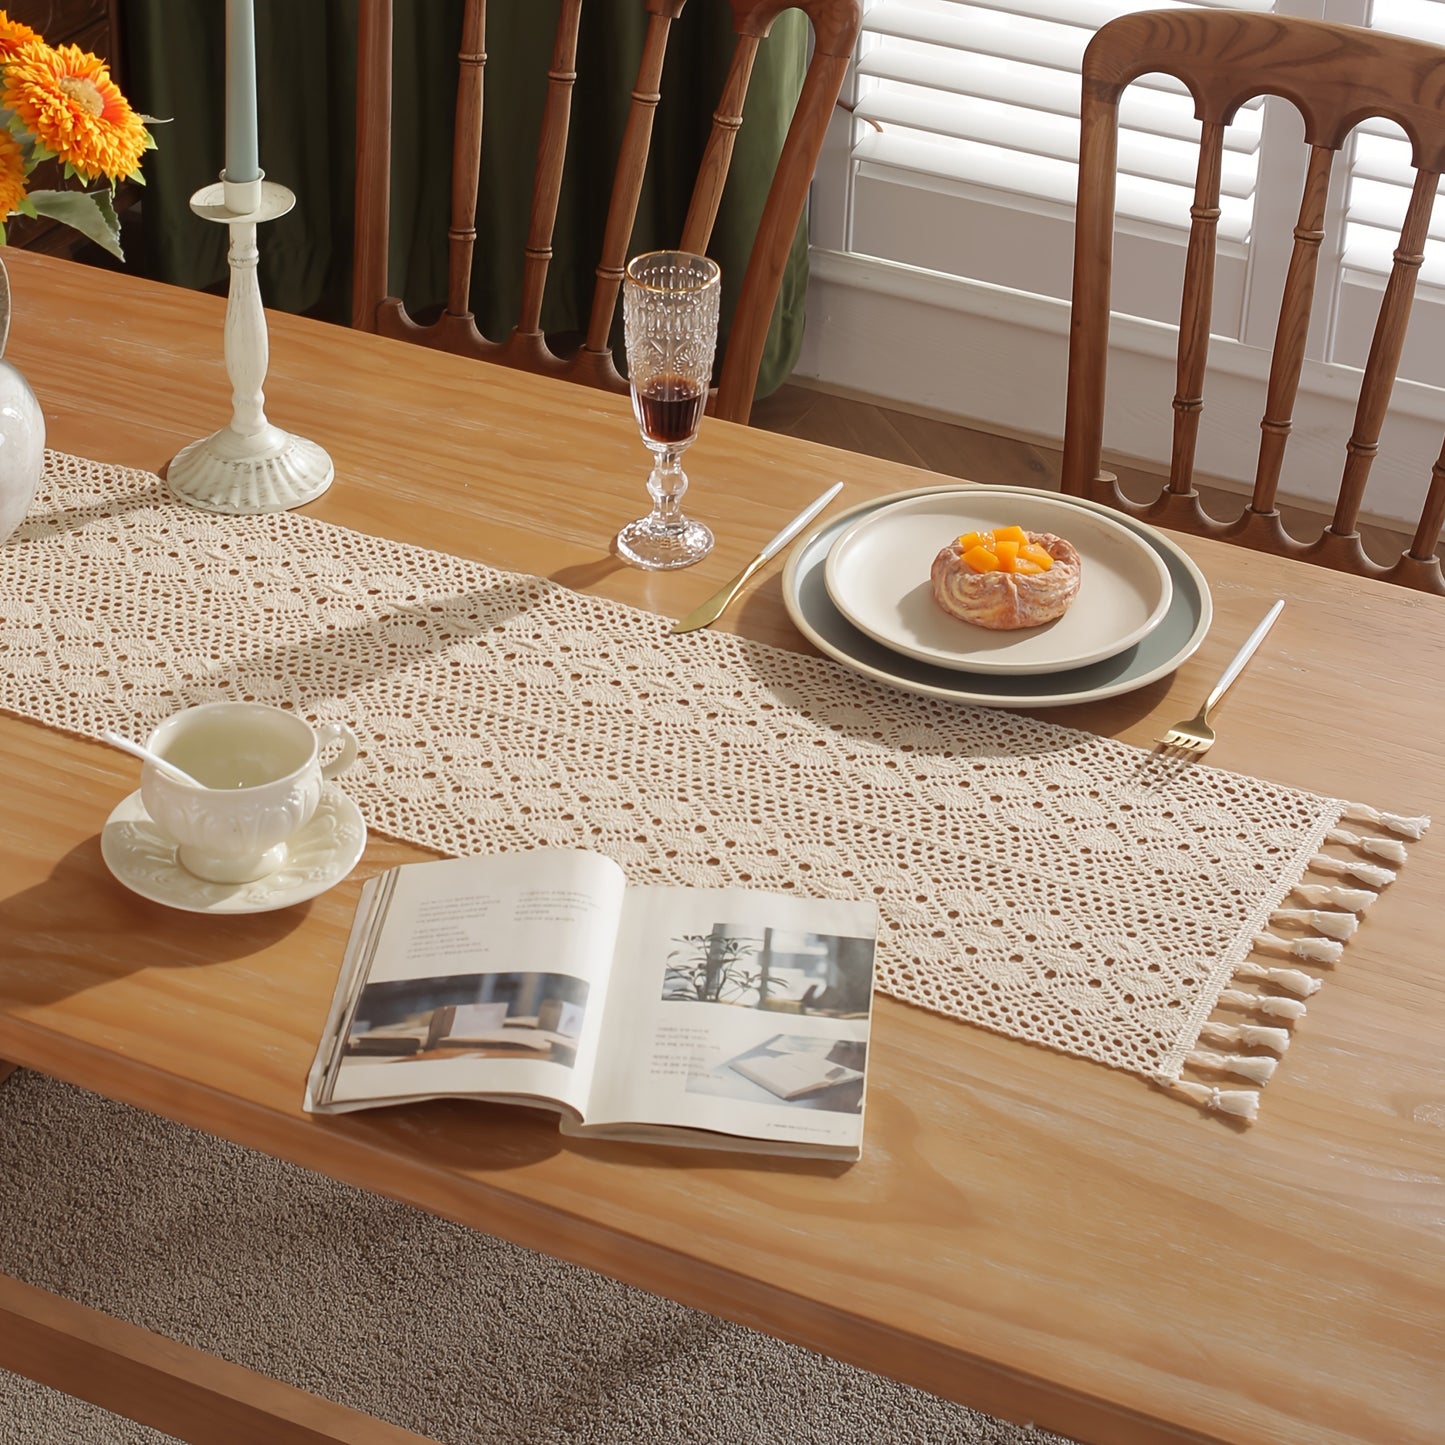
(1007,578)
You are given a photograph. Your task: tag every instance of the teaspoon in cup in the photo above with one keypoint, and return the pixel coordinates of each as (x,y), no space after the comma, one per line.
(139,750)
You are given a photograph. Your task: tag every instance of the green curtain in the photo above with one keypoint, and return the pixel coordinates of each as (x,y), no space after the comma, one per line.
(174,54)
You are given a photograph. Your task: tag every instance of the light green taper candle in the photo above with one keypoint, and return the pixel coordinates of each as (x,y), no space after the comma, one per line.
(242,160)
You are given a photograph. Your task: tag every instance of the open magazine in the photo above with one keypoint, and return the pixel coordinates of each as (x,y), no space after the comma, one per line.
(723,1018)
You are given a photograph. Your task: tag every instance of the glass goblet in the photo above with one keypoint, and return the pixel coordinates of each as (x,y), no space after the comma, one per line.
(669,314)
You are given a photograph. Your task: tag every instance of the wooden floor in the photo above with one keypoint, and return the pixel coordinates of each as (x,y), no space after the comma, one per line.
(896,436)
(954,450)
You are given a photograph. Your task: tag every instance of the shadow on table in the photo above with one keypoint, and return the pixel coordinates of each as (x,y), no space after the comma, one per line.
(56,934)
(47,520)
(588,574)
(340,662)
(474,1135)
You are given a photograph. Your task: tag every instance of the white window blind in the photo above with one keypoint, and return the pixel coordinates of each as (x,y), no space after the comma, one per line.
(987,94)
(944,237)
(1381,173)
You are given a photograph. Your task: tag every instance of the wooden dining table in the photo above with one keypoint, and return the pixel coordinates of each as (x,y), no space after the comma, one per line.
(1030,1234)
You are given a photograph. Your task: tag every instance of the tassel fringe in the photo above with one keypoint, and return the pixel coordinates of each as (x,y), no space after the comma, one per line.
(1289,979)
(1256,1036)
(1336,925)
(1241,1103)
(1392,850)
(1330,913)
(1278,1008)
(1312,950)
(1391,822)
(1369,873)
(1325,895)
(1260,1070)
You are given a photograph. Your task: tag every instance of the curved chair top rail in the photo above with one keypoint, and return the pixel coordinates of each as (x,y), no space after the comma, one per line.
(1336,76)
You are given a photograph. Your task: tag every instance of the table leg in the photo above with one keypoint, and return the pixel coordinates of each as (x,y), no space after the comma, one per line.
(169,1386)
(6,1070)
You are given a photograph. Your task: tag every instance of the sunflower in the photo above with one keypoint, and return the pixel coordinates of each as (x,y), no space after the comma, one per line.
(13,35)
(66,99)
(12,175)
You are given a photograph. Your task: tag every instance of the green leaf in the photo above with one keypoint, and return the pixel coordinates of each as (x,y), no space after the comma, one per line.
(89,212)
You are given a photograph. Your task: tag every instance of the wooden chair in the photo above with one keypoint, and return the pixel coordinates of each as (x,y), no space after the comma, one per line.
(1336,75)
(835,28)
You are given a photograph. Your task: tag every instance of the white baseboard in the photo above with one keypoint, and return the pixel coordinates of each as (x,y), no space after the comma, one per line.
(997,359)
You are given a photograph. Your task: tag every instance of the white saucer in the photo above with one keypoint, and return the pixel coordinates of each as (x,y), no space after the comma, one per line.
(317,858)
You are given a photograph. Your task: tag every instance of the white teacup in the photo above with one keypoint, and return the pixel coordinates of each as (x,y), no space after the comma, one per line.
(261,774)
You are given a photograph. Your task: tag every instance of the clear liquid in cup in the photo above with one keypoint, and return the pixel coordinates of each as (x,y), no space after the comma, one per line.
(230,753)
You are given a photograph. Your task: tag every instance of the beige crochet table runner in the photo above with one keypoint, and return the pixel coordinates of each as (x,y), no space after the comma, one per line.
(1032,879)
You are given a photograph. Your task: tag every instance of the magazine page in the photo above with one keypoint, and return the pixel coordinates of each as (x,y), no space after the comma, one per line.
(739,1013)
(474,976)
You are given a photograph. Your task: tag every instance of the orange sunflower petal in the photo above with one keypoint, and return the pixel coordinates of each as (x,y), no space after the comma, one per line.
(12,174)
(14,34)
(67,100)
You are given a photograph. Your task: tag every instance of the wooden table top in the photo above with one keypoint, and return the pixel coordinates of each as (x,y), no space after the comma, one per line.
(1036,1236)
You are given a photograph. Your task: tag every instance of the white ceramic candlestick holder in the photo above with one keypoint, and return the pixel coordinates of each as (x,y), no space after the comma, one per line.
(249,466)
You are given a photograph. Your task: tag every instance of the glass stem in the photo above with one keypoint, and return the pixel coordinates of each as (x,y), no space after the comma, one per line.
(667,484)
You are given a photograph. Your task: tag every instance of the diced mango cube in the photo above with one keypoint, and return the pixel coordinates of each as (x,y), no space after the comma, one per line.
(1005,549)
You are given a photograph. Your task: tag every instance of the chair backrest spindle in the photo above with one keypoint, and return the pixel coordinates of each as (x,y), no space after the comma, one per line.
(1196,308)
(1082,471)
(373,151)
(466,158)
(1335,76)
(781,213)
(1385,348)
(1432,518)
(712,174)
(835,30)
(631,166)
(1292,329)
(551,153)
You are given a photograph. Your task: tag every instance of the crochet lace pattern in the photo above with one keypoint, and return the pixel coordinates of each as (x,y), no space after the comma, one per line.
(1033,879)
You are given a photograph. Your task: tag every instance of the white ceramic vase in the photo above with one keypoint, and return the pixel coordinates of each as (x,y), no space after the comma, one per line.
(22,432)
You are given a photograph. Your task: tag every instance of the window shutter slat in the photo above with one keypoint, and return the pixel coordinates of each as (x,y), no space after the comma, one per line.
(961,29)
(1091,14)
(1373,251)
(1382,170)
(986,93)
(1037,88)
(968,28)
(1422,19)
(1015,172)
(1040,133)
(1383,207)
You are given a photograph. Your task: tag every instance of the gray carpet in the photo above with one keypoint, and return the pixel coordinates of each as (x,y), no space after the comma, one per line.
(442,1330)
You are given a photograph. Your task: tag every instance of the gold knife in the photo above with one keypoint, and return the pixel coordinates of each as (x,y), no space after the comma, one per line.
(712,609)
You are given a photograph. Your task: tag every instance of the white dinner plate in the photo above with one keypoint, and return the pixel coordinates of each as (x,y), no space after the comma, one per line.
(877,574)
(1186,621)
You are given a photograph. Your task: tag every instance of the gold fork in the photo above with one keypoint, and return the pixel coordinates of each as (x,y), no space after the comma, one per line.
(1195,735)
